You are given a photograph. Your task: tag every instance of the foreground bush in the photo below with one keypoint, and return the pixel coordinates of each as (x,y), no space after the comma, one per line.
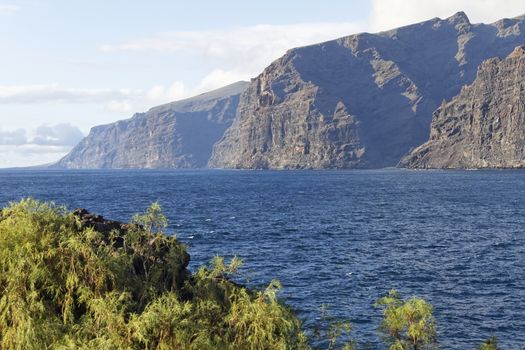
(489,344)
(69,283)
(77,281)
(407,324)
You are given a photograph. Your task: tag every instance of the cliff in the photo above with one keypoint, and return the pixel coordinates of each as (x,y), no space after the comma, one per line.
(483,126)
(175,135)
(361,101)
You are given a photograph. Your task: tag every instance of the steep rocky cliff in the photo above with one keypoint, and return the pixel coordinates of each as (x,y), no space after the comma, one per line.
(362,101)
(482,127)
(175,135)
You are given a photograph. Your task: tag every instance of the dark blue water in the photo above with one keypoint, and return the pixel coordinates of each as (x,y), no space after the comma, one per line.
(341,238)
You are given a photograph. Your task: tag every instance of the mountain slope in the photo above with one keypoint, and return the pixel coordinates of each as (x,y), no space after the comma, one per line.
(175,135)
(362,101)
(482,127)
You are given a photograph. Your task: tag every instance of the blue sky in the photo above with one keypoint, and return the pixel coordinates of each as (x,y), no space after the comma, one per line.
(69,65)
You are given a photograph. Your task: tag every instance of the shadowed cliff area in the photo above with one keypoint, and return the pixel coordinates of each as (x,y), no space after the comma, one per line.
(482,127)
(362,101)
(175,135)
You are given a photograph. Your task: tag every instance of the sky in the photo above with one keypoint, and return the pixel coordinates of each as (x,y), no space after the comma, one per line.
(69,65)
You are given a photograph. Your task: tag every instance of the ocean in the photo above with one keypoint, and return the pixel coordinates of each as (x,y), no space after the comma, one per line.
(342,238)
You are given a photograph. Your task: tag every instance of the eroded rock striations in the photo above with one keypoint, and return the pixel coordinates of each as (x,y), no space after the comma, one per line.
(175,135)
(362,101)
(482,127)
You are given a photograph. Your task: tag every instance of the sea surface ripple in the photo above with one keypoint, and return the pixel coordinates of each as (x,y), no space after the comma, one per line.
(342,238)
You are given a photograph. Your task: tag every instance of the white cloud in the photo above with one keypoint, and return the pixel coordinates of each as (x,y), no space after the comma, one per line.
(167,93)
(115,100)
(120,106)
(218,78)
(143,100)
(222,43)
(388,14)
(242,52)
(7,9)
(29,155)
(14,137)
(25,94)
(57,135)
(45,135)
(45,144)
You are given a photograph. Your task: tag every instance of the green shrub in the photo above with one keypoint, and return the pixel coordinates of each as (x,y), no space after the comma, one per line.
(407,324)
(66,286)
(489,344)
(332,329)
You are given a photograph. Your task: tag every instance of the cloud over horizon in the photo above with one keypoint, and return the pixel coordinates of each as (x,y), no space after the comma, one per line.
(44,93)
(115,100)
(57,135)
(63,134)
(8,9)
(45,144)
(14,138)
(30,155)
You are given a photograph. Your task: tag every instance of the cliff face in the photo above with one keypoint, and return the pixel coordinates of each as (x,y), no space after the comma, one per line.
(362,101)
(175,135)
(482,127)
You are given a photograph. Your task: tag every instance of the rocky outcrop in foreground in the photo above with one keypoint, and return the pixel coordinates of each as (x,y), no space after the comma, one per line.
(482,127)
(98,223)
(65,285)
(362,101)
(115,233)
(175,135)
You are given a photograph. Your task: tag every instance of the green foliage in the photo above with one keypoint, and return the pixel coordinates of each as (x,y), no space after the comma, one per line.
(67,286)
(407,324)
(333,328)
(489,344)
(153,220)
(64,285)
(262,322)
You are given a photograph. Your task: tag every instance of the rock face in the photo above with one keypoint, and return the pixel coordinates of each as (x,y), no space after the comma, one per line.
(175,135)
(362,101)
(108,227)
(482,127)
(99,223)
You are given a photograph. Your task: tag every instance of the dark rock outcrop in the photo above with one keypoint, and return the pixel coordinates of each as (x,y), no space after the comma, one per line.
(482,127)
(99,224)
(114,233)
(362,101)
(175,135)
